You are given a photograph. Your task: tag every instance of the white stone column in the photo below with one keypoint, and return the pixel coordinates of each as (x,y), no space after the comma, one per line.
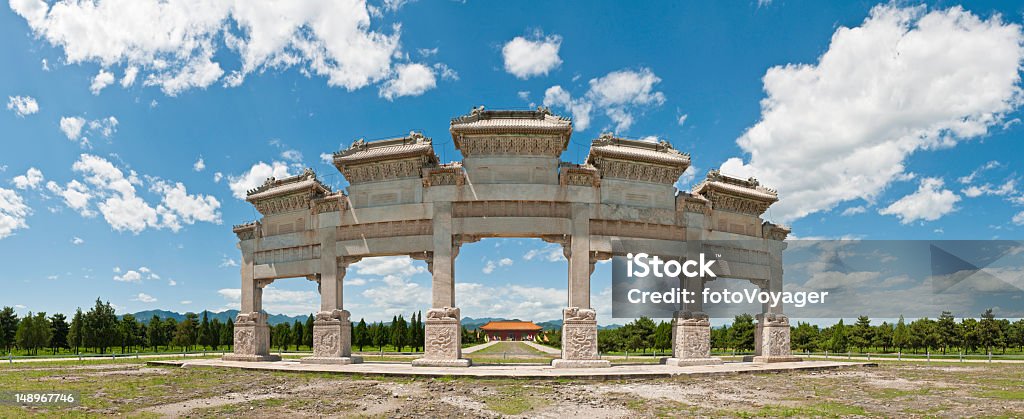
(443,329)
(579,321)
(332,326)
(772,338)
(251,334)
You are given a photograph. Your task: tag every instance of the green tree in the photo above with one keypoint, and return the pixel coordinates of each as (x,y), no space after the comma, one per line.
(901,335)
(360,334)
(100,327)
(33,333)
(398,333)
(949,333)
(186,335)
(203,332)
(377,336)
(298,334)
(227,334)
(883,336)
(76,332)
(989,332)
(307,332)
(281,336)
(59,329)
(8,328)
(970,337)
(805,337)
(663,336)
(838,341)
(862,334)
(126,332)
(155,333)
(213,339)
(741,333)
(609,340)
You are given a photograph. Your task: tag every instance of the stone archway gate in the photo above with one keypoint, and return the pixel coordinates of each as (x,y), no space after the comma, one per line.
(511,183)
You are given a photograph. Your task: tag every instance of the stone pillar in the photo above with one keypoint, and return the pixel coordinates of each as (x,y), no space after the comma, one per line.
(579,321)
(443,329)
(772,337)
(332,327)
(252,334)
(691,330)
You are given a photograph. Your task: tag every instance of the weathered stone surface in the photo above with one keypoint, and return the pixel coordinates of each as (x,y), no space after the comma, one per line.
(691,340)
(252,342)
(443,339)
(773,339)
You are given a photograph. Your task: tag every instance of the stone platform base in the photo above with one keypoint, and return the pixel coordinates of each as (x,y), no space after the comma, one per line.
(251,358)
(689,362)
(771,359)
(422,362)
(580,363)
(341,360)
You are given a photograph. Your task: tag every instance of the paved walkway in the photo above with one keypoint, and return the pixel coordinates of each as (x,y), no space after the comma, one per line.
(518,371)
(475,348)
(543,348)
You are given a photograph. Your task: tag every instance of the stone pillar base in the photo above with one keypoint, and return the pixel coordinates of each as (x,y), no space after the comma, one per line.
(332,339)
(344,360)
(424,362)
(251,358)
(252,339)
(580,363)
(773,344)
(579,340)
(691,340)
(443,339)
(689,362)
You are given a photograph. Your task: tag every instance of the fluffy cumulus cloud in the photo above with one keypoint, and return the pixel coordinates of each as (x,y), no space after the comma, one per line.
(410,80)
(13,212)
(276,300)
(30,180)
(929,203)
(22,105)
(71,126)
(255,176)
(619,94)
(905,80)
(179,45)
(78,129)
(199,165)
(144,298)
(536,56)
(116,197)
(103,79)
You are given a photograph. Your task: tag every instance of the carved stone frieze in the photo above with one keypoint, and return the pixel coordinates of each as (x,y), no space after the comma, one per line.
(385,229)
(550,146)
(330,203)
(511,209)
(288,254)
(775,231)
(444,175)
(247,231)
(637,230)
(628,170)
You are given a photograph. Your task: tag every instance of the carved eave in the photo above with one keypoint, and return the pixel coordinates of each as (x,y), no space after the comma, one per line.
(637,160)
(775,231)
(443,175)
(247,231)
(396,158)
(729,193)
(688,202)
(293,193)
(539,121)
(334,202)
(578,175)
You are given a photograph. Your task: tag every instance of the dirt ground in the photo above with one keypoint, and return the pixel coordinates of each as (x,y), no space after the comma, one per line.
(909,390)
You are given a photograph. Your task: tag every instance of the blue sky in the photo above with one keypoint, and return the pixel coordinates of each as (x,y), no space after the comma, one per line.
(880,121)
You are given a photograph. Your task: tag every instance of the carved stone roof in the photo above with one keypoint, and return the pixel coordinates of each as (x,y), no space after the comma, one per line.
(415,144)
(303,182)
(540,121)
(747,188)
(661,153)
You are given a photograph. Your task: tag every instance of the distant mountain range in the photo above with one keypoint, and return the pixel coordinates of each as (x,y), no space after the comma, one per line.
(273,319)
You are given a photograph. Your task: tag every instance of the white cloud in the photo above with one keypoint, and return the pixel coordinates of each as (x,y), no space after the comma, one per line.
(13,212)
(987,166)
(217,177)
(402,266)
(550,252)
(409,80)
(227,262)
(525,58)
(72,126)
(327,158)
(255,176)
(130,276)
(31,179)
(860,209)
(144,298)
(1007,188)
(620,94)
(489,267)
(185,302)
(277,300)
(1018,218)
(172,283)
(682,119)
(903,81)
(76,196)
(77,240)
(188,208)
(105,126)
(524,95)
(175,43)
(103,79)
(129,76)
(293,156)
(22,105)
(199,165)
(929,203)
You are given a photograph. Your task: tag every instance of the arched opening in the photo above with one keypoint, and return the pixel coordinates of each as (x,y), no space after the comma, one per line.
(387,297)
(511,292)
